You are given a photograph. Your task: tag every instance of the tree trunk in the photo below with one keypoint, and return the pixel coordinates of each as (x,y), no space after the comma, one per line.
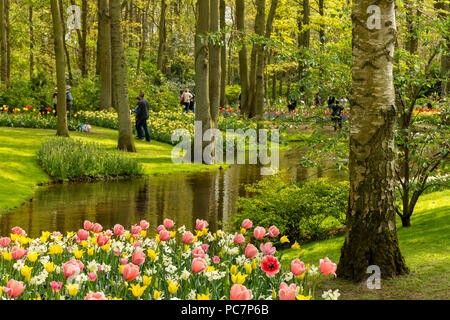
(260,61)
(83,44)
(8,44)
(321,26)
(126,141)
(162,38)
(303,38)
(274,86)
(144,37)
(443,9)
(30,21)
(214,63)
(62,129)
(4,49)
(243,66)
(202,113)
(223,56)
(371,236)
(66,51)
(104,40)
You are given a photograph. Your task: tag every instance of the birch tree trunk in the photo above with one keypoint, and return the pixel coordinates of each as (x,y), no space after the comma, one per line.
(371,236)
(62,129)
(126,141)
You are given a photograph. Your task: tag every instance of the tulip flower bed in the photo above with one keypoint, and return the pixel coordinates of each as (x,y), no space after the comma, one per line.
(31,119)
(175,264)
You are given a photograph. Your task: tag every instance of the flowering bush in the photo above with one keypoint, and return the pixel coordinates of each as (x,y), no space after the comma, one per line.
(93,263)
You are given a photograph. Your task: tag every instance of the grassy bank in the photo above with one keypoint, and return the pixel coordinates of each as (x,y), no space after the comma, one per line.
(425,246)
(20,173)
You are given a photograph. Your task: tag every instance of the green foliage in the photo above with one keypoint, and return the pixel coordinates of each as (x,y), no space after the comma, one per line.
(86,94)
(303,212)
(71,159)
(232,93)
(22,93)
(33,120)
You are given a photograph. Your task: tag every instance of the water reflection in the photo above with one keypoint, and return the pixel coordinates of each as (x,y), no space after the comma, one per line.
(183,198)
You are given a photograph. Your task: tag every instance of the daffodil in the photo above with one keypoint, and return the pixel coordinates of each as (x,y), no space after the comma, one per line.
(137,290)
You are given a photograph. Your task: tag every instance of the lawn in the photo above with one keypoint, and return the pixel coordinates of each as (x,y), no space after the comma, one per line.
(20,173)
(425,246)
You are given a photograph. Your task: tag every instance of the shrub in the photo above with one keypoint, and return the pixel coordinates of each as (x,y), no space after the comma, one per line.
(232,93)
(34,120)
(72,159)
(303,212)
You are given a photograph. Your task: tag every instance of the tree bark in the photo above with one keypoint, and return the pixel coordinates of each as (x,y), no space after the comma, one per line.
(260,61)
(223,55)
(443,9)
(8,43)
(304,36)
(4,48)
(144,36)
(125,141)
(104,40)
(30,21)
(62,129)
(66,51)
(214,63)
(371,236)
(203,110)
(243,64)
(162,38)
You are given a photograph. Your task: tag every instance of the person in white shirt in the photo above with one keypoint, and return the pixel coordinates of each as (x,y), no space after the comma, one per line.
(186,98)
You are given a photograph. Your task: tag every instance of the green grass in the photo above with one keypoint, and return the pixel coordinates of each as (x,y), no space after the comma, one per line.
(20,173)
(425,246)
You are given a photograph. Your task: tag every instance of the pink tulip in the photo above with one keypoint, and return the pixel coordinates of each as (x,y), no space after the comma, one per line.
(102,239)
(327,267)
(144,225)
(297,267)
(123,261)
(97,228)
(56,286)
(240,292)
(205,247)
(251,251)
(198,253)
(119,230)
(17,252)
(259,233)
(136,229)
(164,235)
(72,268)
(5,242)
(109,233)
(95,296)
(287,292)
(273,232)
(57,234)
(168,224)
(83,234)
(247,224)
(19,231)
(87,225)
(198,265)
(137,244)
(201,224)
(268,249)
(138,257)
(131,272)
(239,238)
(92,276)
(14,288)
(216,259)
(160,228)
(188,237)
(116,253)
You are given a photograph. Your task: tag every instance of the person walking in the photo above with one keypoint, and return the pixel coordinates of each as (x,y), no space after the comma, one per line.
(69,100)
(142,115)
(317,99)
(55,101)
(336,115)
(186,98)
(192,103)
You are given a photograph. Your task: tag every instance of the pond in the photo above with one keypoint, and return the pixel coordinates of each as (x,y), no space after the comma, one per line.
(184,198)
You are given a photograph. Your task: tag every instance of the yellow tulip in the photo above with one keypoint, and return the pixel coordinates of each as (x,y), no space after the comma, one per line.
(203,296)
(49,267)
(90,251)
(157,294)
(173,288)
(238,278)
(106,247)
(32,256)
(243,231)
(146,280)
(137,290)
(152,254)
(233,269)
(26,272)
(173,234)
(302,297)
(284,239)
(78,253)
(121,269)
(143,233)
(72,288)
(295,246)
(84,244)
(55,249)
(248,268)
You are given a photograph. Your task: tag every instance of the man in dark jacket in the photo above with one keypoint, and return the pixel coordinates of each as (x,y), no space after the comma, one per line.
(142,115)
